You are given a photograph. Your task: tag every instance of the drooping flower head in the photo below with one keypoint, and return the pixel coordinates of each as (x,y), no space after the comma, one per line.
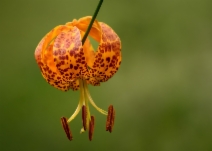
(67,64)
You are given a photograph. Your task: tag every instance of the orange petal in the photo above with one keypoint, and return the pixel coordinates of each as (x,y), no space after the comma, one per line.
(52,77)
(69,56)
(74,85)
(108,57)
(89,52)
(47,56)
(95,31)
(93,81)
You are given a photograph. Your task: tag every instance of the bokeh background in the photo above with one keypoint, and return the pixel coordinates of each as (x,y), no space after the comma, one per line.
(162,92)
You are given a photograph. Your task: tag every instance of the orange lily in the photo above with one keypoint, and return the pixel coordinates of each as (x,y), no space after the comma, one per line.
(67,64)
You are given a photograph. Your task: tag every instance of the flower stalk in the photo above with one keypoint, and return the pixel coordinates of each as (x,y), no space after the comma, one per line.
(92,20)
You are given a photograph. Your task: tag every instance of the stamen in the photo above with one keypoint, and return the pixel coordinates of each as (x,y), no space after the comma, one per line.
(110,118)
(88,116)
(66,128)
(92,102)
(91,128)
(84,116)
(76,112)
(80,103)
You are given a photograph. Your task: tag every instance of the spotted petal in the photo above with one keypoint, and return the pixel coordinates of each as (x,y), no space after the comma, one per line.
(69,57)
(107,58)
(108,55)
(63,60)
(51,76)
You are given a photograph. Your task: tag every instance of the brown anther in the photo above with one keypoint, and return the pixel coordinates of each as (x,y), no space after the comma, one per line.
(84,116)
(91,128)
(66,128)
(110,118)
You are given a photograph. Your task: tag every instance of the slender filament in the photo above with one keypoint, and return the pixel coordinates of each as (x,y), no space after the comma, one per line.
(78,107)
(88,118)
(92,102)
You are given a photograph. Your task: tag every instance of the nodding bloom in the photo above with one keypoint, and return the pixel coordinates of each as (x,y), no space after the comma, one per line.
(67,64)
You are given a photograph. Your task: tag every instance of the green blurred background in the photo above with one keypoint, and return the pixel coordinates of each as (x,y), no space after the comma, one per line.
(162,92)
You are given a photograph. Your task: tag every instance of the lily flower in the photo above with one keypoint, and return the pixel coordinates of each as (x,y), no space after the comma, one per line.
(67,64)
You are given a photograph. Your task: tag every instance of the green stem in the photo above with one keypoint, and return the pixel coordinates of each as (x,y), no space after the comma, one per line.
(92,20)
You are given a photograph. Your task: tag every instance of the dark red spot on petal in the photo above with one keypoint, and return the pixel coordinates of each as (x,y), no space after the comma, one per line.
(108,59)
(75,67)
